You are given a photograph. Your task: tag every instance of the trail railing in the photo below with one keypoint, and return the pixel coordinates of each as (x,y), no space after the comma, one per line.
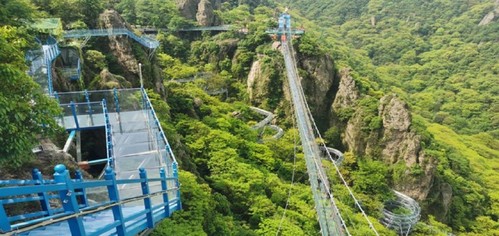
(401,214)
(41,63)
(144,40)
(64,207)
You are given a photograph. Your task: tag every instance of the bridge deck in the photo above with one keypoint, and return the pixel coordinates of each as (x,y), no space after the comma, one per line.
(94,222)
(326,210)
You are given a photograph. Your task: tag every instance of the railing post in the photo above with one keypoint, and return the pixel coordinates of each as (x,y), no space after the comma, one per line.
(87,99)
(116,100)
(44,202)
(144,99)
(175,175)
(79,177)
(68,199)
(4,220)
(75,115)
(147,201)
(109,133)
(56,96)
(164,187)
(49,77)
(114,196)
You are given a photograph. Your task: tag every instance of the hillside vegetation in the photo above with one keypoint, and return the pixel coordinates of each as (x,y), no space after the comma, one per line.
(442,59)
(236,180)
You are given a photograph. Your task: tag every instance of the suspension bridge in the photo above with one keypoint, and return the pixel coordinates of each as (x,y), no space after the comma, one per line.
(139,185)
(329,216)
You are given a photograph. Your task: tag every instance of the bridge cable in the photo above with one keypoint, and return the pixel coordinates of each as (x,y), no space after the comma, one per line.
(336,166)
(295,141)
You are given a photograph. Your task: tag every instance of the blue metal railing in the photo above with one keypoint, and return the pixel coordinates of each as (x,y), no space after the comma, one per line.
(109,136)
(75,210)
(50,51)
(41,63)
(144,40)
(82,115)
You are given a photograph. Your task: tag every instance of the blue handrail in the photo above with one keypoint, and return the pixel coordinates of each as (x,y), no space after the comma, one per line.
(109,136)
(72,193)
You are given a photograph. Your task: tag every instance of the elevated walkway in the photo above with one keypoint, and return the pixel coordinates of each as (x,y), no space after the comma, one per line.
(266,121)
(137,139)
(335,152)
(67,209)
(207,28)
(152,30)
(401,214)
(41,61)
(143,40)
(71,65)
(140,183)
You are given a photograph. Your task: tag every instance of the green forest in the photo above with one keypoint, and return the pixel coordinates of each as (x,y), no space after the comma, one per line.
(438,58)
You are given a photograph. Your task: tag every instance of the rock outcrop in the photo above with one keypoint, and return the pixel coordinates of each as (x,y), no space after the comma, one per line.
(200,10)
(120,45)
(401,144)
(109,80)
(347,94)
(205,15)
(319,84)
(188,8)
(254,77)
(489,17)
(265,83)
(393,143)
(121,48)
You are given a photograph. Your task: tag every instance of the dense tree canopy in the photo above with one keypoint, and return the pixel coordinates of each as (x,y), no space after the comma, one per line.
(25,111)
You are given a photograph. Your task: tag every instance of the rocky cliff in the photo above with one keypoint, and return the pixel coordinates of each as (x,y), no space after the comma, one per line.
(321,81)
(127,57)
(489,17)
(393,141)
(200,10)
(120,46)
(387,136)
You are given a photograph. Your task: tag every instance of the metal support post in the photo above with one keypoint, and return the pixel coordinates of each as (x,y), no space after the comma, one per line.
(56,96)
(175,175)
(68,199)
(4,220)
(164,187)
(115,197)
(79,177)
(109,133)
(44,202)
(78,146)
(147,201)
(140,75)
(144,100)
(89,107)
(116,100)
(49,77)
(72,135)
(75,115)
